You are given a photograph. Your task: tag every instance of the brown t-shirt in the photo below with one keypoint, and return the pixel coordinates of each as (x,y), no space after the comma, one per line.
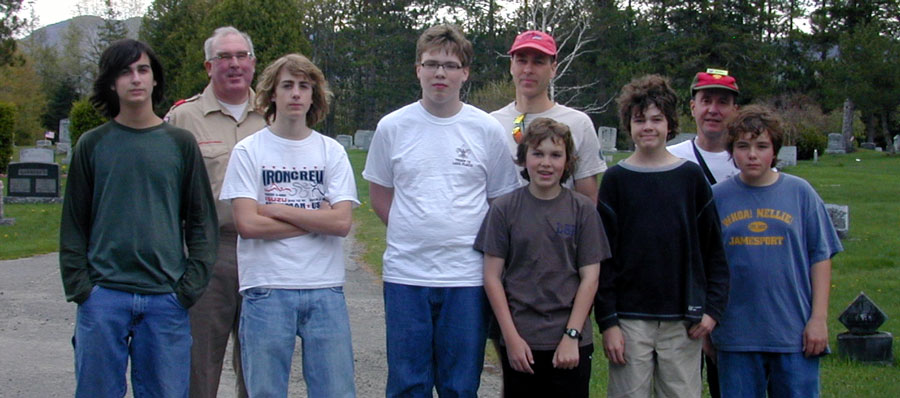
(544,242)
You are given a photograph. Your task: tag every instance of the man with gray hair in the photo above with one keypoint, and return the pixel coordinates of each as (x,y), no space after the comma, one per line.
(219,117)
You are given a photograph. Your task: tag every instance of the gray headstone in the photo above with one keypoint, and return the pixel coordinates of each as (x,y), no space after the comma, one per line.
(787,156)
(36,155)
(3,219)
(835,144)
(363,138)
(897,143)
(840,218)
(33,180)
(864,342)
(607,137)
(345,140)
(868,145)
(64,135)
(63,147)
(43,143)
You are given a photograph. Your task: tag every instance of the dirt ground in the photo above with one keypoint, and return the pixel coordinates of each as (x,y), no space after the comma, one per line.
(36,325)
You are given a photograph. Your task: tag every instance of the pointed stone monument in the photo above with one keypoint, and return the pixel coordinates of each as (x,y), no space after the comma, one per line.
(864,342)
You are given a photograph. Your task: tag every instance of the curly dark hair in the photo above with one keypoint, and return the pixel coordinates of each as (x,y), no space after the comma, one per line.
(643,91)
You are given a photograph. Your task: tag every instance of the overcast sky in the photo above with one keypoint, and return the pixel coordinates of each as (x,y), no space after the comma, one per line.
(52,11)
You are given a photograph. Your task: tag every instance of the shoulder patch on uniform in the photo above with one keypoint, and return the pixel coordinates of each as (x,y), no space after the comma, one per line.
(179,103)
(184,101)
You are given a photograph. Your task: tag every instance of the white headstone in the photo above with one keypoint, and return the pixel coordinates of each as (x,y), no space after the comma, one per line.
(44,143)
(345,140)
(835,144)
(363,138)
(64,135)
(787,156)
(36,155)
(897,143)
(840,218)
(607,137)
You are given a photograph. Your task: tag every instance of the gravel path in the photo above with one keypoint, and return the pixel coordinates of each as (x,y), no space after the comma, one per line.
(36,329)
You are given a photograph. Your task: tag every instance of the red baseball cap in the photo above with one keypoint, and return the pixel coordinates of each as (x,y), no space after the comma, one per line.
(714,78)
(534,39)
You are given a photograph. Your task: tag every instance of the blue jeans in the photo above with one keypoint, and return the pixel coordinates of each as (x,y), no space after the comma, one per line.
(153,329)
(435,338)
(752,374)
(271,320)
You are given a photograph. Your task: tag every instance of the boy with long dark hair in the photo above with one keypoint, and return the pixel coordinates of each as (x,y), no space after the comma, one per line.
(137,196)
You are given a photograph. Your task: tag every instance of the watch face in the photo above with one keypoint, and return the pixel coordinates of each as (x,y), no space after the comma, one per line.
(572,333)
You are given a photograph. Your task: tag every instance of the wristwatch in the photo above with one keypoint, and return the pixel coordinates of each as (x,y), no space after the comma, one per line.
(573,333)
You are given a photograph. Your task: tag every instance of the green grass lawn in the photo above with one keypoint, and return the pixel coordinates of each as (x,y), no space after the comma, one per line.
(870,262)
(36,230)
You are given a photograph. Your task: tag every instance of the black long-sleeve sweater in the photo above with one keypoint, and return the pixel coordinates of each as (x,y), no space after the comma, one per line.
(668,260)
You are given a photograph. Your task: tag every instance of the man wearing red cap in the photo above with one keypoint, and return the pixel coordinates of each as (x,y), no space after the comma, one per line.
(533,66)
(713,99)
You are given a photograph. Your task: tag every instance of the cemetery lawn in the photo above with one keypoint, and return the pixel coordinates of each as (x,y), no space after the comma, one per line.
(368,228)
(870,261)
(36,230)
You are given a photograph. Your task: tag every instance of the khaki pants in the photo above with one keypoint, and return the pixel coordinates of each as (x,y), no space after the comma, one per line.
(213,318)
(660,357)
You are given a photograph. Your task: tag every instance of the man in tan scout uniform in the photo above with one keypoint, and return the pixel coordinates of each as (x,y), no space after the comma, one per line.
(220,117)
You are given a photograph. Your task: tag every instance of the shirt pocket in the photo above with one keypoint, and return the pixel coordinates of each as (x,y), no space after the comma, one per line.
(211,150)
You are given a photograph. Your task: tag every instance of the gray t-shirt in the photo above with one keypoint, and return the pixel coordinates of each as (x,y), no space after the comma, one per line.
(584,136)
(544,242)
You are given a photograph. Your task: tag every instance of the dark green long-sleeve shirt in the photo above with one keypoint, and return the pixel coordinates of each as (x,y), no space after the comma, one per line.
(134,200)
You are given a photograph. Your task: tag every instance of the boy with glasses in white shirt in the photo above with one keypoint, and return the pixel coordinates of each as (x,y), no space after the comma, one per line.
(432,167)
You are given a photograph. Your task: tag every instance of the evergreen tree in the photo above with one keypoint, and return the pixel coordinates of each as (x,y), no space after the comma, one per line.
(10,23)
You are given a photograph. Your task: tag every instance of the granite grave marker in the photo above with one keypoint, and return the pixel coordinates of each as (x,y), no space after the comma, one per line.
(840,218)
(36,155)
(835,144)
(33,180)
(607,138)
(363,138)
(787,156)
(863,342)
(345,140)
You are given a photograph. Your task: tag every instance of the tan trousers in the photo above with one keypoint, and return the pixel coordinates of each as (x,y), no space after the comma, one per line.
(213,318)
(659,357)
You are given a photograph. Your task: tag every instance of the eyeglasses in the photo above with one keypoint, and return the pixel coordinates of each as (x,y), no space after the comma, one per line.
(241,56)
(433,66)
(518,127)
